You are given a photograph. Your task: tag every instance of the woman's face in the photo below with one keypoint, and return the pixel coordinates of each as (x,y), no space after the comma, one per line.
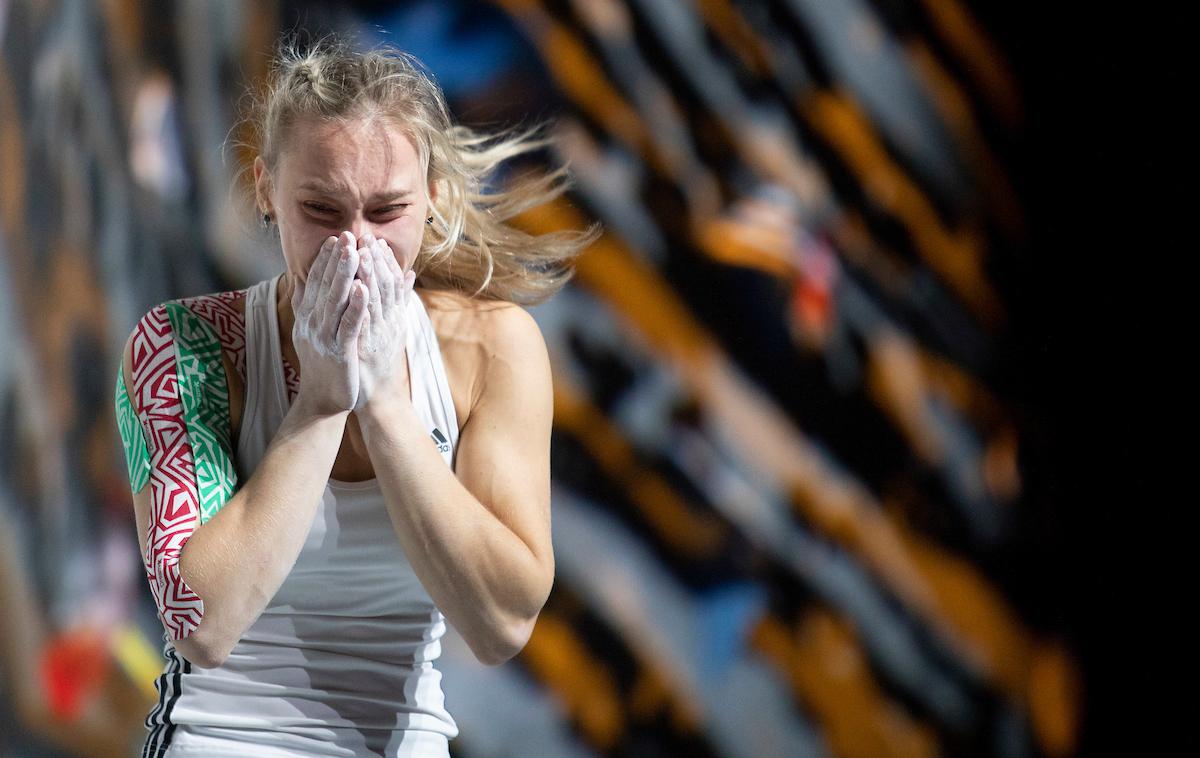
(361,176)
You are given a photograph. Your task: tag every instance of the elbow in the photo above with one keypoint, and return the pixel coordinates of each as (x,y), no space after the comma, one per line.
(491,658)
(505,647)
(206,659)
(515,634)
(510,636)
(198,650)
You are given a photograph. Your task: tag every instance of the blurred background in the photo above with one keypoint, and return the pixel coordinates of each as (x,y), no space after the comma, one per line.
(811,495)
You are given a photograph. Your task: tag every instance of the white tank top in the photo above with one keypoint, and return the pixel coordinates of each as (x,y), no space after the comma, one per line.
(341,661)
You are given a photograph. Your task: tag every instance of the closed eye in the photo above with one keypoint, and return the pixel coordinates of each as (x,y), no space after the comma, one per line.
(317,208)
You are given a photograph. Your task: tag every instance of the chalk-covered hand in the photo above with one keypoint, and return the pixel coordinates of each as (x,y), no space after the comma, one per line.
(330,310)
(383,369)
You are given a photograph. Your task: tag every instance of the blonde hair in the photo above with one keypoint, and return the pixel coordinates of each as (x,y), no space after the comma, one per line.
(468,247)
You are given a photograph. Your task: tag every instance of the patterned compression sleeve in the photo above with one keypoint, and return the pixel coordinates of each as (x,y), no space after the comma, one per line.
(181,401)
(137,460)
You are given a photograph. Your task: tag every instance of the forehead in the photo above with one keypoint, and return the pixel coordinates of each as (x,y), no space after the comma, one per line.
(358,155)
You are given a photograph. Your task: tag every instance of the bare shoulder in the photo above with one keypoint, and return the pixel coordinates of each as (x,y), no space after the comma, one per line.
(480,339)
(494,326)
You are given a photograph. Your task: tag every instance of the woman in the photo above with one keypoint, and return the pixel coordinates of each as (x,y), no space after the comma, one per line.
(327,462)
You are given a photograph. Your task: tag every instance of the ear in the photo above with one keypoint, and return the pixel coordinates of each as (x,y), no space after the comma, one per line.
(262,186)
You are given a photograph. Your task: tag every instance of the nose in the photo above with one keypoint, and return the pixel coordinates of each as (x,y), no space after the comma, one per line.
(360,227)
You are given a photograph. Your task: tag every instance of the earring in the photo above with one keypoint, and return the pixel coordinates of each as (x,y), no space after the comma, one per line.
(266,220)
(429,220)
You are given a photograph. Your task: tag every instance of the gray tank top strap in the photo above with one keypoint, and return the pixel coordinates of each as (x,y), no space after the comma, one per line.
(266,397)
(431,388)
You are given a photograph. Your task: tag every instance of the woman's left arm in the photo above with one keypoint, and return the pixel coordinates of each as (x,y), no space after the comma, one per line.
(479,541)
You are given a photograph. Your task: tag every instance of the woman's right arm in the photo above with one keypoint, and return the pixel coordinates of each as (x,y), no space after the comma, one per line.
(236,561)
(212,580)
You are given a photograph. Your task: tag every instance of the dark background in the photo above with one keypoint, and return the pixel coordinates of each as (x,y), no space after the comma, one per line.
(1101,172)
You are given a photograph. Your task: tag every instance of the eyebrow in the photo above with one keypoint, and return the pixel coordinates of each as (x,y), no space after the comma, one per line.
(339,189)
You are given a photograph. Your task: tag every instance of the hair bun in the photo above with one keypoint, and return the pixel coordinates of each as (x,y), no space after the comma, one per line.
(309,72)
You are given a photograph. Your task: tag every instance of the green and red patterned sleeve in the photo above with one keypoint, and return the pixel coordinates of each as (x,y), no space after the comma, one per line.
(175,425)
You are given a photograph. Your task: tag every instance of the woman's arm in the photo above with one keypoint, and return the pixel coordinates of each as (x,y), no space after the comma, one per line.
(480,543)
(213,566)
(235,562)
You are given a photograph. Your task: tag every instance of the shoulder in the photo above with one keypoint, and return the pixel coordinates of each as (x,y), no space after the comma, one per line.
(448,310)
(487,341)
(224,312)
(496,327)
(202,323)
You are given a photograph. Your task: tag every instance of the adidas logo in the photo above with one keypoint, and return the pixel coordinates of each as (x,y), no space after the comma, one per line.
(443,444)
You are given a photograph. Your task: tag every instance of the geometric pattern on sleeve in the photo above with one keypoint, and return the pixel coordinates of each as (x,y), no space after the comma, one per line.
(137,460)
(204,395)
(175,501)
(224,312)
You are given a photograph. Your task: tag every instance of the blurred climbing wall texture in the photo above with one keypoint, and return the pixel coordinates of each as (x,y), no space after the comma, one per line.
(789,513)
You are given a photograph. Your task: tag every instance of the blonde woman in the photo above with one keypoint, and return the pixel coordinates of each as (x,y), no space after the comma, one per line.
(329,465)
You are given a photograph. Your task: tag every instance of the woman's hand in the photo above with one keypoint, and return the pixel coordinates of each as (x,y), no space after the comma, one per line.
(382,361)
(330,309)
